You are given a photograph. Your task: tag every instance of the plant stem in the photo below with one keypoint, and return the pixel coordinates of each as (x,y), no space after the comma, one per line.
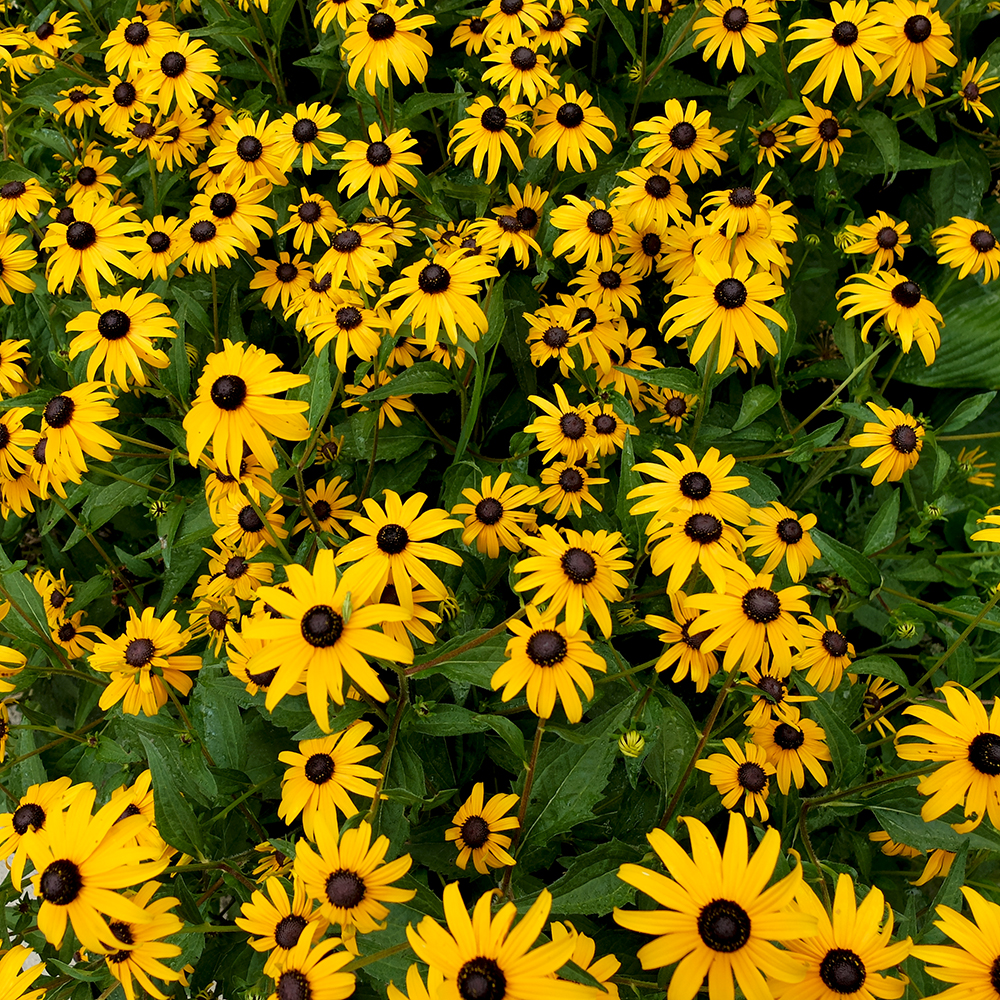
(390,745)
(471,644)
(522,809)
(371,463)
(215,306)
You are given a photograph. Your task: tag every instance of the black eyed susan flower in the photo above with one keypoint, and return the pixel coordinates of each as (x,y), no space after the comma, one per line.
(137,946)
(881,237)
(826,653)
(129,45)
(549,660)
(852,38)
(899,303)
(849,952)
(232,573)
(242,529)
(318,640)
(349,877)
(472,34)
(683,139)
(742,774)
(272,863)
(70,427)
(615,285)
(282,280)
(16,442)
(494,237)
(233,408)
(973,85)
(793,748)
(142,662)
(575,572)
(89,246)
(520,68)
(12,375)
(732,28)
(561,28)
(79,860)
(771,140)
(213,117)
(55,593)
(93,175)
(78,105)
(495,514)
(897,439)
(120,335)
(388,39)
(878,694)
(967,742)
(179,69)
(701,539)
(236,210)
(551,335)
(279,922)
(718,919)
(754,619)
(120,102)
(239,656)
(771,699)
(441,294)
(487,958)
(323,774)
(304,131)
(160,248)
(564,429)
(740,211)
(181,136)
(212,616)
(477,831)
(380,162)
(674,407)
(589,231)
(341,11)
(821,132)
(329,507)
(969,246)
(143,137)
(608,431)
(487,132)
(690,484)
(356,253)
(919,38)
(391,214)
(573,125)
(395,546)
(783,535)
(683,640)
(14,262)
(652,198)
(389,408)
(507,20)
(352,327)
(972,966)
(313,972)
(251,151)
(22,198)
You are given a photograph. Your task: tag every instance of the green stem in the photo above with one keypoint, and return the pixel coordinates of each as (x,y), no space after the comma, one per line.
(259,511)
(215,302)
(522,809)
(676,44)
(390,746)
(704,397)
(371,463)
(360,963)
(471,644)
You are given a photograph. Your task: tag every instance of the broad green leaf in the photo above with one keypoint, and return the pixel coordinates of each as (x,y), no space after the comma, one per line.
(881,529)
(741,88)
(473,666)
(966,412)
(881,666)
(885,134)
(622,24)
(27,621)
(958,189)
(175,818)
(756,402)
(860,573)
(950,891)
(678,379)
(846,749)
(316,392)
(425,377)
(217,719)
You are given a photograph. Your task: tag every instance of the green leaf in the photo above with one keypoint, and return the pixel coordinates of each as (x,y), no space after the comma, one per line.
(756,402)
(741,88)
(885,134)
(966,412)
(622,25)
(678,738)
(20,591)
(175,819)
(881,531)
(950,891)
(454,720)
(959,188)
(846,749)
(474,666)
(217,719)
(678,379)
(591,884)
(317,390)
(862,575)
(881,666)
(628,481)
(425,377)
(418,104)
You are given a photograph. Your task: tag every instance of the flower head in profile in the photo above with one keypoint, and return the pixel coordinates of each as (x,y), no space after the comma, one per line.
(477,832)
(897,439)
(821,132)
(718,917)
(973,84)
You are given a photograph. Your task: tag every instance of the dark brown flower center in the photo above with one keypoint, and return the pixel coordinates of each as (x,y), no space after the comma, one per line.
(228,392)
(511,7)
(158,242)
(392,539)
(13,189)
(45,30)
(236,567)
(286,272)
(751,776)
(249,520)
(587,317)
(494,119)
(86,176)
(834,643)
(114,324)
(218,620)
(788,737)
(767,139)
(293,985)
(742,197)
(657,186)
(523,59)
(345,889)
(59,411)
(527,216)
(845,33)
(828,129)
(676,407)
(772,689)
(489,510)
(789,531)
(310,211)
(570,115)
(703,528)
(556,22)
(321,510)
(555,337)
(842,970)
(693,641)
(571,481)
(29,814)
(288,930)
(904,439)
(433,279)
(695,485)
(546,648)
(378,154)
(477,25)
(139,652)
(906,294)
(319,768)
(735,19)
(81,235)
(573,426)
(322,626)
(475,831)
(917,28)
(887,237)
(222,205)
(347,241)
(173,64)
(136,33)
(304,130)
(600,222)
(482,979)
(683,136)
(610,280)
(604,423)
(984,754)
(982,240)
(508,223)
(579,566)
(724,925)
(761,605)
(203,231)
(60,883)
(381,26)
(730,293)
(249,149)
